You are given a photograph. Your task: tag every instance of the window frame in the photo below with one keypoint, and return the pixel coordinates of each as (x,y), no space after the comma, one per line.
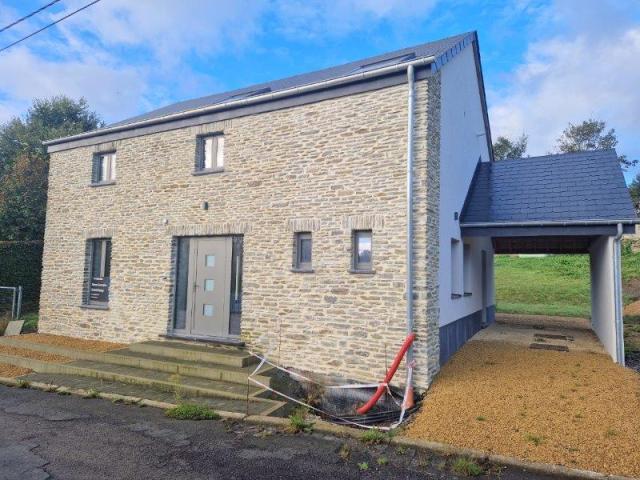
(201,141)
(467,269)
(456,268)
(97,168)
(298,264)
(106,247)
(356,265)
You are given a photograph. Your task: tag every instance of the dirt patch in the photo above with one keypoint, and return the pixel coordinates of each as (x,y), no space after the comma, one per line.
(631,288)
(543,321)
(576,409)
(26,353)
(12,371)
(71,342)
(632,308)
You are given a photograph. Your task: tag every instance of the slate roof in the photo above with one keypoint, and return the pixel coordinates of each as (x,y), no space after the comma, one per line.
(438,48)
(571,187)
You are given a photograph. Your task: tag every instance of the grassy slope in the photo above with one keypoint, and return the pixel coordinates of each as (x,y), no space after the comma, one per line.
(559,285)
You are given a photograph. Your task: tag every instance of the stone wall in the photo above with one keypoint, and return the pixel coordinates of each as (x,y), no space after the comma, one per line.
(325,167)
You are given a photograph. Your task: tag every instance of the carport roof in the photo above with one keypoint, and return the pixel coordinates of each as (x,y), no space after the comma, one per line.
(582,188)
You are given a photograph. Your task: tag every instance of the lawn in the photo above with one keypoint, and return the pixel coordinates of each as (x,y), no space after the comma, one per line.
(555,284)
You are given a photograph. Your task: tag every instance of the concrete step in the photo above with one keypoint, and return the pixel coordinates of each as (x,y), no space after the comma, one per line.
(133,358)
(197,352)
(146,392)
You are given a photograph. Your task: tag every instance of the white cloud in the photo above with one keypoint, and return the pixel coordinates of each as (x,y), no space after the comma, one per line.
(587,71)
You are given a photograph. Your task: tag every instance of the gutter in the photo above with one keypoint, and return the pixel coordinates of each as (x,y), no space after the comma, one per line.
(617,297)
(545,223)
(249,101)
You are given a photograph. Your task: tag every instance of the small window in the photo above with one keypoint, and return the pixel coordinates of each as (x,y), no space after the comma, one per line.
(467,269)
(210,153)
(362,251)
(303,247)
(98,272)
(104,168)
(456,268)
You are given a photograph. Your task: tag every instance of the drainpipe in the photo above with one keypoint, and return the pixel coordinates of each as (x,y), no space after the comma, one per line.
(617,292)
(410,122)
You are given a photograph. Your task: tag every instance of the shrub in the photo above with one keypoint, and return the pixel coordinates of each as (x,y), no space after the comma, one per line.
(464,466)
(298,421)
(187,411)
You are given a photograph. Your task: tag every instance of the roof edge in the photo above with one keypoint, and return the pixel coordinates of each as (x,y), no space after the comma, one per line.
(551,223)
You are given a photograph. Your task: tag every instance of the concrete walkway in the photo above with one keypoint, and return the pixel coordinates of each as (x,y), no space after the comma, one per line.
(45,435)
(544,333)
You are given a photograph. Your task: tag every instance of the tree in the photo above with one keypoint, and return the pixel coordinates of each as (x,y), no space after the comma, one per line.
(504,147)
(24,162)
(591,134)
(634,190)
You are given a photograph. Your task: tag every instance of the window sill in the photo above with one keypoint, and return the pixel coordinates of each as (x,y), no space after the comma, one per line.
(95,307)
(103,184)
(207,171)
(467,294)
(361,272)
(455,296)
(303,270)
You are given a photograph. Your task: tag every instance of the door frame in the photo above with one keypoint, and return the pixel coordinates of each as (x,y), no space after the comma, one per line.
(236,252)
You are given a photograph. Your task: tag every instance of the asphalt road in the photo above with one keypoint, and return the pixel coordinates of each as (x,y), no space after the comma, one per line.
(46,435)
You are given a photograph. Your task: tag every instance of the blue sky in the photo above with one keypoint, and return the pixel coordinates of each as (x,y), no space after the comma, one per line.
(546,63)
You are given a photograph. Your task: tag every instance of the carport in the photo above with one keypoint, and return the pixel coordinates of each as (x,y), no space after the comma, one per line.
(575,203)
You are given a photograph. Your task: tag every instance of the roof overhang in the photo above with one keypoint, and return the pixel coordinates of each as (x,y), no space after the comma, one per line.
(547,229)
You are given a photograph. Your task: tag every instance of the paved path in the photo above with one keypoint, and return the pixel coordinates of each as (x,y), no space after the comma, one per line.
(45,435)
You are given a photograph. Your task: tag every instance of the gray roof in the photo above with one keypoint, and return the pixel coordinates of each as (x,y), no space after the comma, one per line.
(437,49)
(570,187)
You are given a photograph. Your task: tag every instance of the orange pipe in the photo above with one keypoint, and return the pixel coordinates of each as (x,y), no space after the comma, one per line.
(390,373)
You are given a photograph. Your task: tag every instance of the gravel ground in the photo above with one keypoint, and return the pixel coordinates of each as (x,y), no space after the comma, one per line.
(26,353)
(77,343)
(570,408)
(45,435)
(12,371)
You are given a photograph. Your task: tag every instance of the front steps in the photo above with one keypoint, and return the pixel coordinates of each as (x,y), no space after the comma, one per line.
(180,369)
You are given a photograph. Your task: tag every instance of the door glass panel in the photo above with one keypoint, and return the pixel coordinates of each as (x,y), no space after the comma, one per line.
(207,310)
(210,260)
(182,281)
(208,285)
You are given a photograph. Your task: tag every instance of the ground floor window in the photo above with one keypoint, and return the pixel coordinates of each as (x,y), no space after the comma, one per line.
(98,278)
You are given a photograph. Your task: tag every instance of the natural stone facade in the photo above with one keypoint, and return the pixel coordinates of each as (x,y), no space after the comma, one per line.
(326,167)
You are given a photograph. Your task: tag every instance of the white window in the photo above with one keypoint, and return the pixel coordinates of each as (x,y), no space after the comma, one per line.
(467,269)
(456,268)
(104,167)
(210,153)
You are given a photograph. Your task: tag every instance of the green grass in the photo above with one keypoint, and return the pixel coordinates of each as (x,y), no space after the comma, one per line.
(464,466)
(552,285)
(187,411)
(373,436)
(30,322)
(298,422)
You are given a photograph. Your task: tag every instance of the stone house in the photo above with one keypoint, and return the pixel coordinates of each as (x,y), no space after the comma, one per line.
(284,216)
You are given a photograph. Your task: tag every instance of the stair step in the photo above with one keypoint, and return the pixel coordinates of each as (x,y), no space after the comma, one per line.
(133,358)
(219,354)
(163,380)
(267,407)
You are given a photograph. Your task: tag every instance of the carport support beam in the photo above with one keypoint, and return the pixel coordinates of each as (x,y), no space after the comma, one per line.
(617,292)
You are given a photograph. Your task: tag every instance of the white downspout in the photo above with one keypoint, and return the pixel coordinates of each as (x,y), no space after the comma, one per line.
(410,124)
(617,292)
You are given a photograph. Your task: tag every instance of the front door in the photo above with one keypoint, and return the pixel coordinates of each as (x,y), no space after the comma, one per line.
(210,281)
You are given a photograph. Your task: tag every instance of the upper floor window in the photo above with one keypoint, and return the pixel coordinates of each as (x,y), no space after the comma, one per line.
(362,251)
(303,250)
(210,153)
(104,168)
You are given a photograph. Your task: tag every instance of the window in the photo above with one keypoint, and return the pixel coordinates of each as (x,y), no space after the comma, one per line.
(98,271)
(362,251)
(467,269)
(104,168)
(456,268)
(303,248)
(210,153)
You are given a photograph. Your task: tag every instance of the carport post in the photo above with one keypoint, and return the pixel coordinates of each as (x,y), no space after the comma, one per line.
(617,289)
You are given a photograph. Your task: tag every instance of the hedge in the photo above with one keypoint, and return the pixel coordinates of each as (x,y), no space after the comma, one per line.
(21,264)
